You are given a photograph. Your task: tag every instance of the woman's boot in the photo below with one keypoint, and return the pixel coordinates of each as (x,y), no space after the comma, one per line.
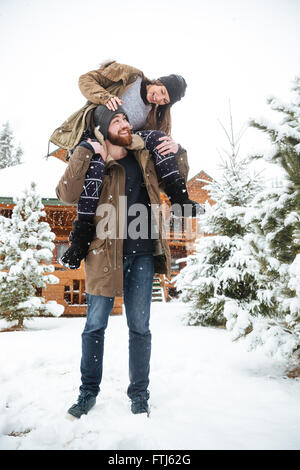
(178,194)
(81,237)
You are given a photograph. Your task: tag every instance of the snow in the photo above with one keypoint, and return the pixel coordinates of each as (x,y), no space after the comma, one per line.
(45,173)
(53,308)
(206,391)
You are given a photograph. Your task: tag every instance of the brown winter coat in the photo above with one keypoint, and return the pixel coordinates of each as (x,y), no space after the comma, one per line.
(98,86)
(104,262)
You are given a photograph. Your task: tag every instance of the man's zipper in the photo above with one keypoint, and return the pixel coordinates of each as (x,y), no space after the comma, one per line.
(117,222)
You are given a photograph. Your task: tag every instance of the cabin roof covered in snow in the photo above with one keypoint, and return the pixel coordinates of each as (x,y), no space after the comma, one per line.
(44,172)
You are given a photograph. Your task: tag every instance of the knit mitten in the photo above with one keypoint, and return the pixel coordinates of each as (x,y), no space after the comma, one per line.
(81,237)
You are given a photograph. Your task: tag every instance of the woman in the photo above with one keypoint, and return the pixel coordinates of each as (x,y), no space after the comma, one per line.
(147,104)
(114,84)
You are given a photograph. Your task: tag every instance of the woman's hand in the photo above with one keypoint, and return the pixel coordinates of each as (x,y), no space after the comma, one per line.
(99,148)
(114,103)
(167,146)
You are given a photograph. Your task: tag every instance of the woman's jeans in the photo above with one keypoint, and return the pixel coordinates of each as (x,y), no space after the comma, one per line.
(138,279)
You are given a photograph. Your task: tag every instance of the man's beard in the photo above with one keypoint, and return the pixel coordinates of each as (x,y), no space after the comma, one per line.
(121,140)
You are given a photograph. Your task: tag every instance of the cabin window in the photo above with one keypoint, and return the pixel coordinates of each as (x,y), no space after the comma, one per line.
(60,250)
(74,293)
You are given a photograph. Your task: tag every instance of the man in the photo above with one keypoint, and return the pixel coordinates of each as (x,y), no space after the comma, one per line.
(118,264)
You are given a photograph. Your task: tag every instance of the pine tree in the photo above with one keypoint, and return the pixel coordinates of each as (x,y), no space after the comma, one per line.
(9,155)
(26,246)
(293,317)
(275,239)
(219,281)
(285,139)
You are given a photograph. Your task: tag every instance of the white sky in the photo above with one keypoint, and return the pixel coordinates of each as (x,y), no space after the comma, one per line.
(242,50)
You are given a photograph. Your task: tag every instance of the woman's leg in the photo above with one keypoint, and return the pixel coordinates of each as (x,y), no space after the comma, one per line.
(88,201)
(167,171)
(166,165)
(84,228)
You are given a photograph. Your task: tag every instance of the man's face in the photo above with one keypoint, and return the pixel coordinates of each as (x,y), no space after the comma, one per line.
(119,131)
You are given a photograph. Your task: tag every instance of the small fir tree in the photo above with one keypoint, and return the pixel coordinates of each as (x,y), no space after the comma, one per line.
(222,273)
(275,240)
(9,154)
(26,246)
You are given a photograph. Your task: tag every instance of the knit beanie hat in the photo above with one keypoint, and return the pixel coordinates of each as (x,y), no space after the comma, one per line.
(103,116)
(176,86)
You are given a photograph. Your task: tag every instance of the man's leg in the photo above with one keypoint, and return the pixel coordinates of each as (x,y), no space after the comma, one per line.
(98,311)
(138,281)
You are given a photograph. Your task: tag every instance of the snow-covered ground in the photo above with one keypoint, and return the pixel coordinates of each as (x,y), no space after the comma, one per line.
(206,392)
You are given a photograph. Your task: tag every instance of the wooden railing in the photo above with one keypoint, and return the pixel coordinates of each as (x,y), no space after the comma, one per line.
(167,283)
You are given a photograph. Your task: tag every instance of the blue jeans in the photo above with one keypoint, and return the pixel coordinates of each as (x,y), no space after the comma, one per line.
(138,273)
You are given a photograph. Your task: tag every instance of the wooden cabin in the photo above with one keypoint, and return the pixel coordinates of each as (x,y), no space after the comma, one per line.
(70,291)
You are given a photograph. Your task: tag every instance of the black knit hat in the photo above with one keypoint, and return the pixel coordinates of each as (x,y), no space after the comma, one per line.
(103,116)
(176,86)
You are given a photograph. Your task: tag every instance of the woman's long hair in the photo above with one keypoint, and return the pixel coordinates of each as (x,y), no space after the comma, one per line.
(159,117)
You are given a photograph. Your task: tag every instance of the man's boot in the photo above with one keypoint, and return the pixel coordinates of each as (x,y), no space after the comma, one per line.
(81,237)
(140,405)
(178,194)
(85,402)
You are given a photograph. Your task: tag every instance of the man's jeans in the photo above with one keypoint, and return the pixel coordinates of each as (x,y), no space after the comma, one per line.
(138,279)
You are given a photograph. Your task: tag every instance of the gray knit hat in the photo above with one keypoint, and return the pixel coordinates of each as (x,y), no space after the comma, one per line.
(103,116)
(176,86)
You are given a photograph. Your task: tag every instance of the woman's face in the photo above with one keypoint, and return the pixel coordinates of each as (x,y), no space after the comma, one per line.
(157,94)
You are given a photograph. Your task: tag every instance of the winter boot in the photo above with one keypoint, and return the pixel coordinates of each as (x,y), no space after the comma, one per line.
(81,237)
(140,405)
(178,194)
(84,403)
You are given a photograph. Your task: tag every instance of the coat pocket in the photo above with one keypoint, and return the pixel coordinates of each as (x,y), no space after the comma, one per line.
(97,246)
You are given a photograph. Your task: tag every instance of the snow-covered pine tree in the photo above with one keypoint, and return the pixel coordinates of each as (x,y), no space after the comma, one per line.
(275,239)
(26,246)
(9,155)
(222,273)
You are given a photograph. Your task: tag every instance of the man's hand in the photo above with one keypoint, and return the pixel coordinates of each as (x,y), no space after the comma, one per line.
(167,146)
(98,148)
(114,103)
